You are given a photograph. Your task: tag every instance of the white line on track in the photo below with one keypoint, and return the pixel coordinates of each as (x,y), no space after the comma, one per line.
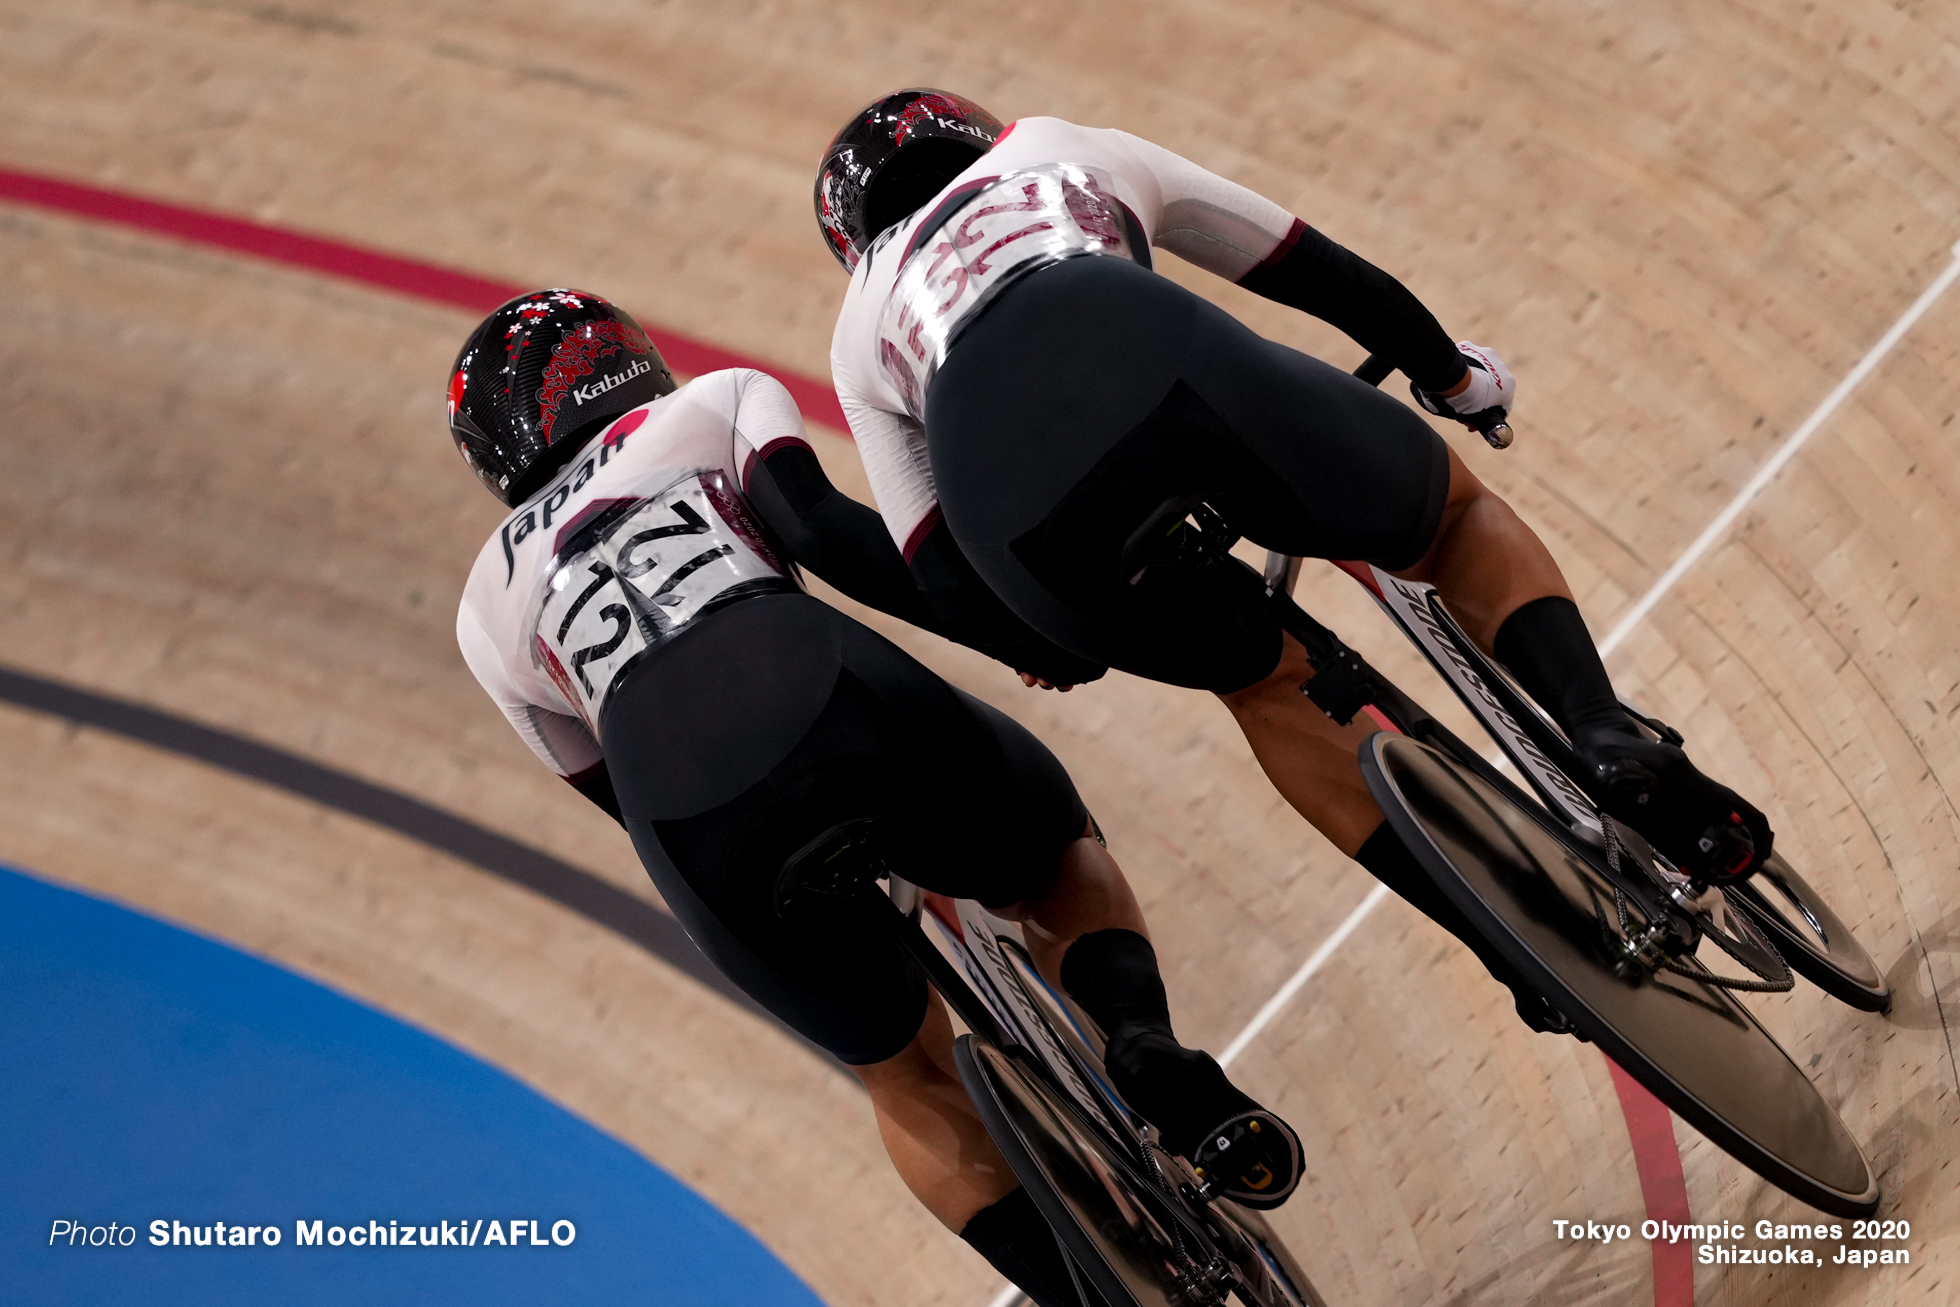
(1614,638)
(1315,961)
(1785,452)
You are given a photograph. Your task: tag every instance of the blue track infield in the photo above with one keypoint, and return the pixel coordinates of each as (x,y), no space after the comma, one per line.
(150,1074)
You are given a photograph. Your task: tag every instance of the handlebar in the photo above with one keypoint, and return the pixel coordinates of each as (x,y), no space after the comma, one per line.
(1490,423)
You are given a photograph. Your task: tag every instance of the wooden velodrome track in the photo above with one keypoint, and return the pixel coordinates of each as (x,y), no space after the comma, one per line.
(228,496)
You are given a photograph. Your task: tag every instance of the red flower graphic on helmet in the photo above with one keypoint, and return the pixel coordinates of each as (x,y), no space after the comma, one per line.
(833,226)
(940,132)
(926,106)
(575,357)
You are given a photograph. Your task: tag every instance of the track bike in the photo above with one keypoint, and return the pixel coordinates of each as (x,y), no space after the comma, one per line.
(1776,902)
(1136,1224)
(1608,930)
(1582,907)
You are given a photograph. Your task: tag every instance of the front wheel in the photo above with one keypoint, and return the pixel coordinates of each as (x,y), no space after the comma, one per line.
(1812,938)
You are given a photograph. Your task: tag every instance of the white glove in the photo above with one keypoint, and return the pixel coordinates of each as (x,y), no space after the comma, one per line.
(1491,386)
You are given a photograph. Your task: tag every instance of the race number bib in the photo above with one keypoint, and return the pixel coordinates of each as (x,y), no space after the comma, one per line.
(635,575)
(1016,225)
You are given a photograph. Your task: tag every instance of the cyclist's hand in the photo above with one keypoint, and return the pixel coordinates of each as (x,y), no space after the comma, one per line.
(1048,666)
(1487,385)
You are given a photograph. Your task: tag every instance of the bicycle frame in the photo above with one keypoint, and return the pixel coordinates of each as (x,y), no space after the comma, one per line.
(1516,724)
(1005,1000)
(993,956)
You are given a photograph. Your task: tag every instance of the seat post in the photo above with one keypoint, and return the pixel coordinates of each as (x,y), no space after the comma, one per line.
(845,864)
(952,986)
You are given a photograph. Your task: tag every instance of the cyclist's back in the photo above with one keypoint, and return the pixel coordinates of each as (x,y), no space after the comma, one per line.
(638,619)
(1019,379)
(634,618)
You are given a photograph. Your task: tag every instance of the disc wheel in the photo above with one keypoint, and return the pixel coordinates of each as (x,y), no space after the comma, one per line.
(1812,938)
(1135,1244)
(1535,892)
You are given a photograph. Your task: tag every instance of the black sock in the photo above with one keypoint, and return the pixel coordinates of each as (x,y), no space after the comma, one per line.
(1183,1092)
(1113,975)
(1015,1239)
(1545,645)
(1384,854)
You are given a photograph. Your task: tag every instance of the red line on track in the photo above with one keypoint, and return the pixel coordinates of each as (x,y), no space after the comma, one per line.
(425,281)
(1662,1185)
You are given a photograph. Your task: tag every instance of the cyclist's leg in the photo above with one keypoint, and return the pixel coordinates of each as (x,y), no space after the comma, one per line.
(1492,569)
(929,1127)
(1484,560)
(1504,587)
(1308,756)
(1047,533)
(730,749)
(733,747)
(946,1158)
(1311,762)
(1086,893)
(1015,836)
(1124,391)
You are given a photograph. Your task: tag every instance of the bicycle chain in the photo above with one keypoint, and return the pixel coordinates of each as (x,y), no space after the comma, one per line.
(1150,1148)
(1197,1279)
(1690,966)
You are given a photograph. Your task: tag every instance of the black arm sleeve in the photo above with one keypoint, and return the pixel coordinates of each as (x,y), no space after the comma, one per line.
(595,783)
(834,536)
(971,613)
(1313,274)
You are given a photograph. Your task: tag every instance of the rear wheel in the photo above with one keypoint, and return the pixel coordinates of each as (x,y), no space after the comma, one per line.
(1535,892)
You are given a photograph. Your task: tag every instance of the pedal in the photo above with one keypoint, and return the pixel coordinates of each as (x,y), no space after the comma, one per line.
(1208,1284)
(1732,843)
(1341,685)
(1662,731)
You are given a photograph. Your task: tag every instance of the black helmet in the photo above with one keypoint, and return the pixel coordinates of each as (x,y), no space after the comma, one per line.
(508,393)
(892,156)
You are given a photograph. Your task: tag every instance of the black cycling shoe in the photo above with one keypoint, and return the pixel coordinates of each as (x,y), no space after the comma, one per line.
(1251,1155)
(1700,825)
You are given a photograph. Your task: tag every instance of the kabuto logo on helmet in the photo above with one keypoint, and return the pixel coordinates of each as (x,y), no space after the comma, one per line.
(576,356)
(929,106)
(507,392)
(891,158)
(593,390)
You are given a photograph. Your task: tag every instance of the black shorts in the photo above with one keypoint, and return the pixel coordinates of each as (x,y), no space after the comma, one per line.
(1094,392)
(776,719)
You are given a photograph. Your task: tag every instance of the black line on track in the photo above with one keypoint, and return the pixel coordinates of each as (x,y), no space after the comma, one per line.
(606,905)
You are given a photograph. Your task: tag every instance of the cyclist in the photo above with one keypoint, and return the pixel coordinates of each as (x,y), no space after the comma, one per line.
(638,618)
(1028,396)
